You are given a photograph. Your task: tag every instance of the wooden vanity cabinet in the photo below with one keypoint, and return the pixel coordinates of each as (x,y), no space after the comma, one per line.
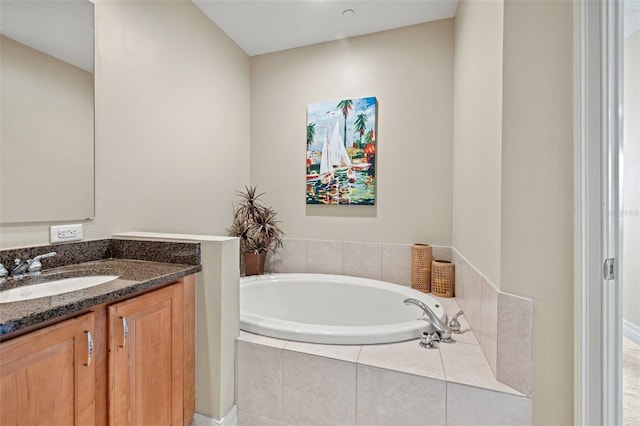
(146,357)
(47,377)
(144,376)
(151,357)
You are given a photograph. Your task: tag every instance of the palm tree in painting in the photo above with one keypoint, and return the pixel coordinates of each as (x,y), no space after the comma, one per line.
(370,138)
(345,106)
(360,126)
(311,133)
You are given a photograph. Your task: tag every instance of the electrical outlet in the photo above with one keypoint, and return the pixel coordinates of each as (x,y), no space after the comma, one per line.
(65,233)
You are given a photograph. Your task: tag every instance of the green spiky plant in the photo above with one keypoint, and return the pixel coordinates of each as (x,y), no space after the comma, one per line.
(255,223)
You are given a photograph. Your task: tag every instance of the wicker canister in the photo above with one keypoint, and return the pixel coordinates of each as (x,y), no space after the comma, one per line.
(442,278)
(421,258)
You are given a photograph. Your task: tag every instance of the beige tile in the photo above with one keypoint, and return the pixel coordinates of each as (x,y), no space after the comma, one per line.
(462,277)
(406,357)
(450,304)
(489,323)
(261,340)
(291,258)
(466,364)
(273,262)
(480,407)
(341,352)
(318,390)
(362,260)
(259,389)
(514,342)
(248,419)
(396,263)
(473,301)
(441,253)
(324,257)
(391,398)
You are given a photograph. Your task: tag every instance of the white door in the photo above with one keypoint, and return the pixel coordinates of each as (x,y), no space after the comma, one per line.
(608,213)
(598,205)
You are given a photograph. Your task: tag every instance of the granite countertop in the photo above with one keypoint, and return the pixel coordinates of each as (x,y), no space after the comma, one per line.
(135,276)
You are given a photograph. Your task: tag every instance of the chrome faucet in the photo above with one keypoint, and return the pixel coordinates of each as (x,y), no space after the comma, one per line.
(454,324)
(442,330)
(29,266)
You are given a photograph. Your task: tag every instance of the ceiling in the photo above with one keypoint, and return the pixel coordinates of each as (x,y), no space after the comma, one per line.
(64,29)
(263,26)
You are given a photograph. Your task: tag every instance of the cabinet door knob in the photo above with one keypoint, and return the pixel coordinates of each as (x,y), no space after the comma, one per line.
(89,348)
(125,332)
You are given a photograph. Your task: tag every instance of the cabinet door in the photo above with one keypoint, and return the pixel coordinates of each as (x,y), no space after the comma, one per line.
(146,359)
(47,377)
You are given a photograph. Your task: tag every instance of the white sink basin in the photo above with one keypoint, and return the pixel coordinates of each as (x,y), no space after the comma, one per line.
(52,288)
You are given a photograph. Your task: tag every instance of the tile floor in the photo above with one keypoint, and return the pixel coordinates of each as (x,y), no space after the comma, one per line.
(630,383)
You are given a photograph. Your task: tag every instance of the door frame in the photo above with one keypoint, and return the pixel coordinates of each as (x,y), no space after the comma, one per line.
(598,52)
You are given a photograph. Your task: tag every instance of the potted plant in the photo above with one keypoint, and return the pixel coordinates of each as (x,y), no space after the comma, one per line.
(256,225)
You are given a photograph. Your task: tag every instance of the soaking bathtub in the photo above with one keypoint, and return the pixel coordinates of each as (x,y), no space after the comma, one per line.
(331,309)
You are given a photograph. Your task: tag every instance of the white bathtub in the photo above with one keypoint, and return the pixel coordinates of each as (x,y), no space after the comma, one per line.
(332,309)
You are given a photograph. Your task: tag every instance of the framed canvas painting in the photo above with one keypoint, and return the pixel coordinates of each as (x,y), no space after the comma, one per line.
(341,152)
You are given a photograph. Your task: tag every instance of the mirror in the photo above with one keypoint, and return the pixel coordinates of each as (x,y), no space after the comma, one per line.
(46,111)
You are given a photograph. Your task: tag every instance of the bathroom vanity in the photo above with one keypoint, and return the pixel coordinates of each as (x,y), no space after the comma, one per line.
(118,353)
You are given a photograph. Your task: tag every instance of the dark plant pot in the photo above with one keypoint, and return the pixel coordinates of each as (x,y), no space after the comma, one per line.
(254,263)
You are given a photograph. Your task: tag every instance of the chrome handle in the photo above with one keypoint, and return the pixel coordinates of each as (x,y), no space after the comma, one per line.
(89,348)
(35,265)
(454,324)
(125,332)
(44,256)
(429,340)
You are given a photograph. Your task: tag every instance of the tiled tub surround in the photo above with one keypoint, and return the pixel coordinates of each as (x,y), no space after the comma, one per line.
(88,258)
(281,382)
(501,322)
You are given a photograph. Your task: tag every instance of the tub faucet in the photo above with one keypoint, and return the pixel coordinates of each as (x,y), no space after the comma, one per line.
(442,330)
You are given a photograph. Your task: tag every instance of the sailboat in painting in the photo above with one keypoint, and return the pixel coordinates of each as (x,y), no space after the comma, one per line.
(341,160)
(334,155)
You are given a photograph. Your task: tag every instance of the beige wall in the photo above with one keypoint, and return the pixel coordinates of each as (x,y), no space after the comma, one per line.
(477,134)
(537,188)
(631,181)
(46,111)
(513,176)
(172,123)
(172,144)
(410,71)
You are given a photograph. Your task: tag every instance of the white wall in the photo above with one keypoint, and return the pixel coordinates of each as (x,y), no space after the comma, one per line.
(537,187)
(172,123)
(410,71)
(631,181)
(477,134)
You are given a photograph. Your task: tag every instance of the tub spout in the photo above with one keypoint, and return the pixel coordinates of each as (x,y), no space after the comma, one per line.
(443,330)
